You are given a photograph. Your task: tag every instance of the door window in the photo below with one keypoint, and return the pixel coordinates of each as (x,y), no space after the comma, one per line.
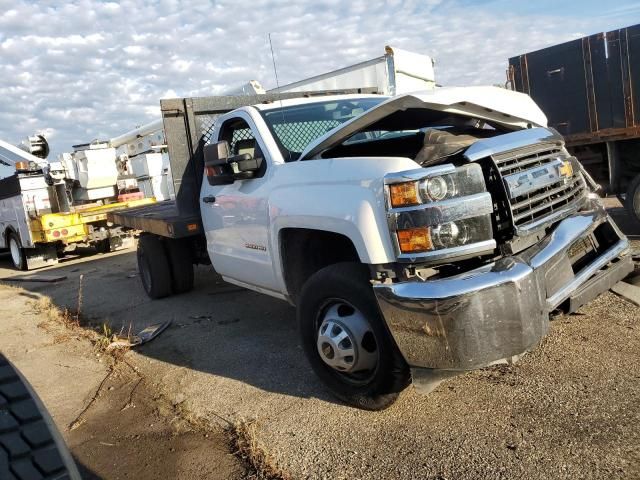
(241,140)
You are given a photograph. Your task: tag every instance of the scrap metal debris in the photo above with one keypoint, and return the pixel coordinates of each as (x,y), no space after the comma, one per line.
(627,291)
(145,335)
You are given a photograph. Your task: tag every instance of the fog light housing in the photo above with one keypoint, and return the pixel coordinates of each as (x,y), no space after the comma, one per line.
(413,240)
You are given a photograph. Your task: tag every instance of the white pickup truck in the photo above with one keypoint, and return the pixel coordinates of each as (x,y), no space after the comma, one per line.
(419,236)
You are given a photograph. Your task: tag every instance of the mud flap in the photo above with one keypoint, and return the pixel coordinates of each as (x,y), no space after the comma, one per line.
(41,256)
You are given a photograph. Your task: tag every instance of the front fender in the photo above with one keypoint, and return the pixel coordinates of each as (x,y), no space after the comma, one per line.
(353,211)
(344,196)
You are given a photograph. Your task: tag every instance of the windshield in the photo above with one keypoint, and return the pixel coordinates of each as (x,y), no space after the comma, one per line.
(297,126)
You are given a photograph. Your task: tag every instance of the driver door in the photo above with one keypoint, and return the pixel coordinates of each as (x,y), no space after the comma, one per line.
(235,217)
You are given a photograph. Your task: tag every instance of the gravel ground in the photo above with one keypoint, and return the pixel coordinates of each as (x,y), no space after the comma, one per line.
(569,409)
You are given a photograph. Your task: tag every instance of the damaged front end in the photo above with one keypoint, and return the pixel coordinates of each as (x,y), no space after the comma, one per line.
(493,230)
(537,239)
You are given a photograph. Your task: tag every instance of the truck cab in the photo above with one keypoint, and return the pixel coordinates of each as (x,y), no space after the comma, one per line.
(246,221)
(419,236)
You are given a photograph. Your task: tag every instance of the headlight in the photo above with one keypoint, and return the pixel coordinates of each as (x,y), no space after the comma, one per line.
(449,234)
(435,188)
(452,183)
(440,212)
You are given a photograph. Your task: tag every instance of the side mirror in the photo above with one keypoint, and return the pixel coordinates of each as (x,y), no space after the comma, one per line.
(244,166)
(223,169)
(216,152)
(215,164)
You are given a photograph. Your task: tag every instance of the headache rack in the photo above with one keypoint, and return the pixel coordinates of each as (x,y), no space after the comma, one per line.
(189,124)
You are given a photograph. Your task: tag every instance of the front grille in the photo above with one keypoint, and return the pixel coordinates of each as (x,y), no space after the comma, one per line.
(536,206)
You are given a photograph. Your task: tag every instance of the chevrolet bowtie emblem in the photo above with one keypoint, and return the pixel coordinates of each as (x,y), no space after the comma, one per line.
(566,169)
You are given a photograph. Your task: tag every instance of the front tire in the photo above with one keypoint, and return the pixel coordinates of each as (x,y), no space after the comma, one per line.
(153,266)
(346,340)
(18,255)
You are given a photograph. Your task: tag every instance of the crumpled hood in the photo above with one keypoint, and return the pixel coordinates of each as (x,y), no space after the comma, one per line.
(507,108)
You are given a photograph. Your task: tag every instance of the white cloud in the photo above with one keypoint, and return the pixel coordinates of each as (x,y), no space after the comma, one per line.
(86,68)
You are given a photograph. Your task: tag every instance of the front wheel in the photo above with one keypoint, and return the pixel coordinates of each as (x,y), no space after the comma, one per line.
(103,246)
(345,338)
(18,256)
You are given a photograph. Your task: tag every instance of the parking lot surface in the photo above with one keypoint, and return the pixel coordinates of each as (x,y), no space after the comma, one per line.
(568,409)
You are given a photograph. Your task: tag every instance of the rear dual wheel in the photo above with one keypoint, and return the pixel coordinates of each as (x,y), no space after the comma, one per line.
(165,266)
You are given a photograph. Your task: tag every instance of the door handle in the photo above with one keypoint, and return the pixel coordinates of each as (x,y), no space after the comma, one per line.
(209,199)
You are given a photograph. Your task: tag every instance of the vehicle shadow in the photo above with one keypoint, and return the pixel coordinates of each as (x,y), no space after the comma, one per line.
(217,328)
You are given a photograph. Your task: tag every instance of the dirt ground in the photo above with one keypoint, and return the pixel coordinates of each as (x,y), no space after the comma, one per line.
(115,424)
(130,432)
(569,409)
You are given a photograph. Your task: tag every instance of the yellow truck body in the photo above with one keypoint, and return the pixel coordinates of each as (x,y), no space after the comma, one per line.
(75,226)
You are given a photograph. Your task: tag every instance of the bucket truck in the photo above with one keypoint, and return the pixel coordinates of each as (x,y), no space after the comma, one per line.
(49,207)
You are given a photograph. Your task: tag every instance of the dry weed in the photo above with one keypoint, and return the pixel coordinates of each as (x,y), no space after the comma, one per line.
(247,447)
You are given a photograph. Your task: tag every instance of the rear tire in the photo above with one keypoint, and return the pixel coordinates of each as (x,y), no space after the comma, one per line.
(103,246)
(337,302)
(153,266)
(18,255)
(181,265)
(632,202)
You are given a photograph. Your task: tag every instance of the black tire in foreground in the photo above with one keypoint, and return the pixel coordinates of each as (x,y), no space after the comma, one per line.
(153,265)
(30,445)
(632,202)
(181,265)
(18,255)
(337,310)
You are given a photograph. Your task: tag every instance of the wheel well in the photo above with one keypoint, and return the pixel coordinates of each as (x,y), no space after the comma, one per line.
(8,231)
(305,251)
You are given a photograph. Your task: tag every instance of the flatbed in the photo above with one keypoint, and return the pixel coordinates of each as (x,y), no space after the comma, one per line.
(161,218)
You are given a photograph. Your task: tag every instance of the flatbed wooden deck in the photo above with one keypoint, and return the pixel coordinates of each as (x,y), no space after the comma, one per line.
(162,219)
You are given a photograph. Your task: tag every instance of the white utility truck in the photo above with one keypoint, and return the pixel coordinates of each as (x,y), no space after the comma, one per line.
(419,236)
(48,207)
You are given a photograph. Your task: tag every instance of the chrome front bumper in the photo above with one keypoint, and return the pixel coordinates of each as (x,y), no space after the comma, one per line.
(501,310)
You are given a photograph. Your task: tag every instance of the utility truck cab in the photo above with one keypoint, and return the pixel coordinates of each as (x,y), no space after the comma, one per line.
(418,236)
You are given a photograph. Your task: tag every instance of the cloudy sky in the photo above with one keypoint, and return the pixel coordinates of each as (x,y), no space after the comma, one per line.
(85,69)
